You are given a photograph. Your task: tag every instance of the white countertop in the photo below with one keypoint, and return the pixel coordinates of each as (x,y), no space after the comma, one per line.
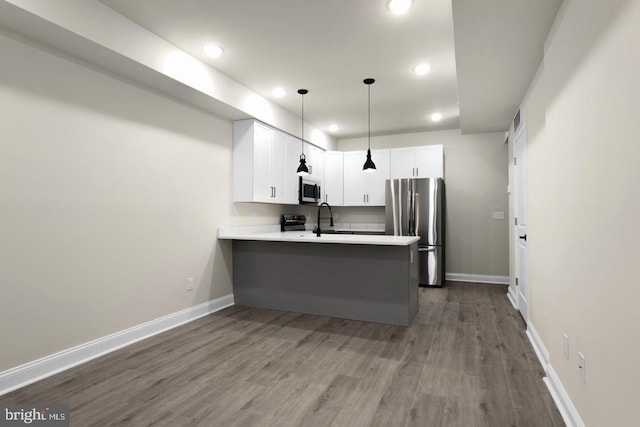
(310,237)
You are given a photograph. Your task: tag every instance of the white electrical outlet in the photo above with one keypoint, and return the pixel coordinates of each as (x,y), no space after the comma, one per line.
(189,283)
(582,368)
(565,345)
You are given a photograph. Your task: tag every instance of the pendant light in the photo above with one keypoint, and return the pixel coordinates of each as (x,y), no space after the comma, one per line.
(369,166)
(302,169)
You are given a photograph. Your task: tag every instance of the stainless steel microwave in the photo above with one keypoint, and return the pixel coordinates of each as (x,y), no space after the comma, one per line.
(309,190)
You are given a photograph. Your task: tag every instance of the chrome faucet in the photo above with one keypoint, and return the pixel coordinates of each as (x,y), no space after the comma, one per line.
(330,213)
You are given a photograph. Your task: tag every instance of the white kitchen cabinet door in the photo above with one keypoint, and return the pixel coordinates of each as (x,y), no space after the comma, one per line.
(315,162)
(262,186)
(277,166)
(365,188)
(417,162)
(355,182)
(261,164)
(376,180)
(430,161)
(403,162)
(334,178)
(294,148)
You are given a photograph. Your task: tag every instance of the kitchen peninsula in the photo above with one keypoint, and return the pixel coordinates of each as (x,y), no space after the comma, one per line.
(362,277)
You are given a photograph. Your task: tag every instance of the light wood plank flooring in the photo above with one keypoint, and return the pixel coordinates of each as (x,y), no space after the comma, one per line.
(465,361)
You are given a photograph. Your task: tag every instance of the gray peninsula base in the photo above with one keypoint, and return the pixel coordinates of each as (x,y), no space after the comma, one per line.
(374,283)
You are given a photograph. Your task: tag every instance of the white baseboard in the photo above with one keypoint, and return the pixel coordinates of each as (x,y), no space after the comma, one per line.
(560,396)
(512,297)
(37,370)
(477,278)
(538,346)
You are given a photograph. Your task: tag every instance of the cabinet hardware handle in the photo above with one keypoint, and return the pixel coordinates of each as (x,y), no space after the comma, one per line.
(417,173)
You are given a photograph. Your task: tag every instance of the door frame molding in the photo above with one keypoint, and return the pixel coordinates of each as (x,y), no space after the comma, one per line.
(514,295)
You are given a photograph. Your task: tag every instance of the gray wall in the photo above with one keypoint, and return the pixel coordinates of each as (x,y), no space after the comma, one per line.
(110,198)
(475,173)
(583,205)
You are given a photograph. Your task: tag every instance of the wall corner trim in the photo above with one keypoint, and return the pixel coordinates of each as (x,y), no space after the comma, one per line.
(37,370)
(477,278)
(560,396)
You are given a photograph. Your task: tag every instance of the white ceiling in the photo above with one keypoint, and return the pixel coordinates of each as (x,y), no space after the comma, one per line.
(499,44)
(330,46)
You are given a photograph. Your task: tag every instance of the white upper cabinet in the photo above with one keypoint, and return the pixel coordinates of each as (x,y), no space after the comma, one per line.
(265,161)
(365,188)
(430,161)
(333,178)
(263,164)
(294,149)
(315,162)
(417,162)
(376,179)
(403,162)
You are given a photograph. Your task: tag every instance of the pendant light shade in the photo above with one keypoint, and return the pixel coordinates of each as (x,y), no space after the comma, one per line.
(369,166)
(302,168)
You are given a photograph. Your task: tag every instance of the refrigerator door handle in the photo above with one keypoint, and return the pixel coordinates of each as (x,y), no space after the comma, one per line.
(416,214)
(431,249)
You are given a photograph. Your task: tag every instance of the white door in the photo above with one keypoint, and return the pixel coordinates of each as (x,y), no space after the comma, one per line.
(520,201)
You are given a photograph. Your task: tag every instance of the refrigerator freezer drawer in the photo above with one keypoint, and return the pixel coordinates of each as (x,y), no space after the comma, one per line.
(430,266)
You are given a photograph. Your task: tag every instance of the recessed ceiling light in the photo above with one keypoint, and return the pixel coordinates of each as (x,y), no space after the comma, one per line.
(212,50)
(435,117)
(333,127)
(399,7)
(422,69)
(278,92)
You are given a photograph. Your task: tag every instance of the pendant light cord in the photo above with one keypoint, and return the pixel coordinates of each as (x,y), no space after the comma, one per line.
(302,93)
(369,109)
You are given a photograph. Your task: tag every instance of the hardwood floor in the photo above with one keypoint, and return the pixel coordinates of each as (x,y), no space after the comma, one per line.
(465,361)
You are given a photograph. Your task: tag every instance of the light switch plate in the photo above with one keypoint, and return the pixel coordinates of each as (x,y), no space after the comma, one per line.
(497,215)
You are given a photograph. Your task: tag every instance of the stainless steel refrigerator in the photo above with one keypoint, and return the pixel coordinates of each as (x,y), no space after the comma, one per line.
(415,207)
